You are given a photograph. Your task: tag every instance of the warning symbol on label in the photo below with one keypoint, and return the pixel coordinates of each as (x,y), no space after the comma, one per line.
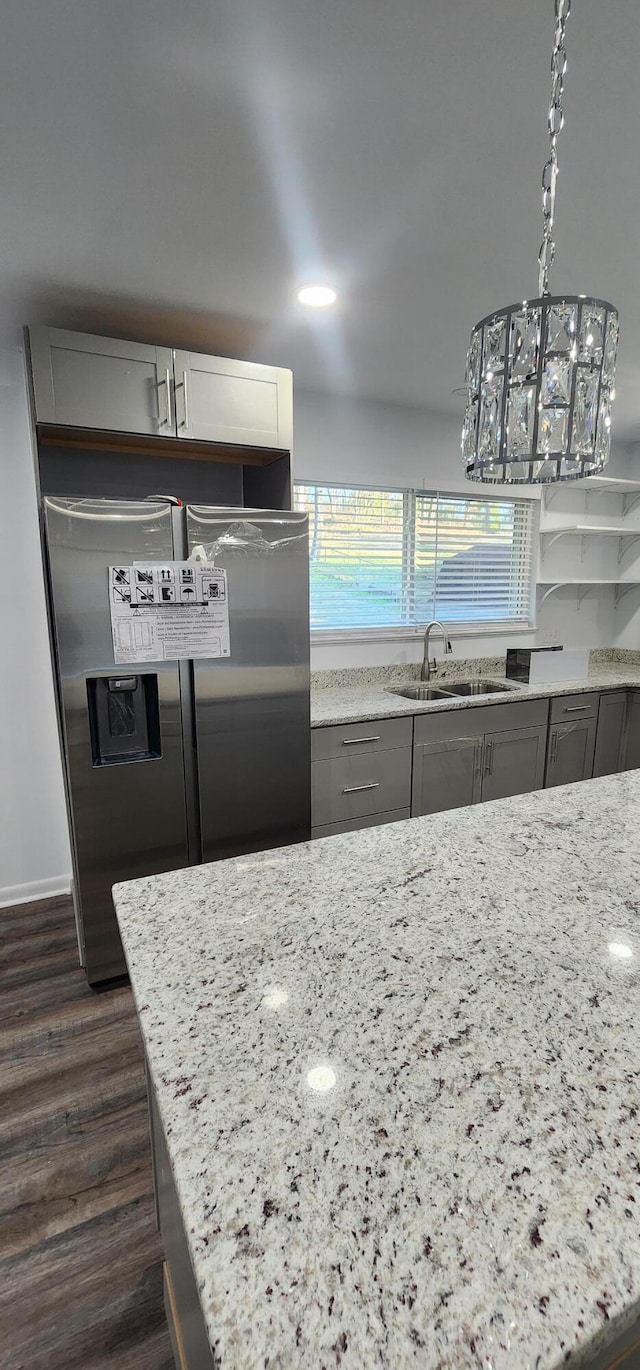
(213,587)
(144,577)
(122,594)
(166,575)
(121,574)
(167,594)
(146,594)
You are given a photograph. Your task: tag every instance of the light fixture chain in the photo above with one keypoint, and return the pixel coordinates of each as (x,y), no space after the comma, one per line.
(556,121)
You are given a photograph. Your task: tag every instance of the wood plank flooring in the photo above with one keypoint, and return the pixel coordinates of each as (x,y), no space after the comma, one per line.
(80,1257)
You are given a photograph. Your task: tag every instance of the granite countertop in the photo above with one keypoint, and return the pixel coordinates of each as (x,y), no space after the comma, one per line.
(353,696)
(398,1073)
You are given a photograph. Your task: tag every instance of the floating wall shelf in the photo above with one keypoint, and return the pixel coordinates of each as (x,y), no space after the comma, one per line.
(605,485)
(584,586)
(626,536)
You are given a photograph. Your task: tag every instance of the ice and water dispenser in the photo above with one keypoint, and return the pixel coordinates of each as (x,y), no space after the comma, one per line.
(124,718)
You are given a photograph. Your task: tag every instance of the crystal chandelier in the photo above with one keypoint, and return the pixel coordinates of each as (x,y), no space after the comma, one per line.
(540,374)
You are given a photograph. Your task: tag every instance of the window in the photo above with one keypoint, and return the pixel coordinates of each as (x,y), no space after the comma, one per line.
(397,558)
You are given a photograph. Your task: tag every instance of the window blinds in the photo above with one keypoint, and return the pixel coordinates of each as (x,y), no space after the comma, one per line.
(397,558)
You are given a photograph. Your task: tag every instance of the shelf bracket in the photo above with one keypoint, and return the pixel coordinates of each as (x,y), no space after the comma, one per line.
(629,502)
(550,591)
(583,591)
(622,590)
(550,491)
(626,541)
(553,537)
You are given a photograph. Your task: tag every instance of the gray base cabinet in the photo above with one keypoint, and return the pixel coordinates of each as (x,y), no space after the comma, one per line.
(360,775)
(371,820)
(446,774)
(572,739)
(631,760)
(491,753)
(513,762)
(612,713)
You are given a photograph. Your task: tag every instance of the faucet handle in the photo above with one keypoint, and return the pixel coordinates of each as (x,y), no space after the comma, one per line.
(448,648)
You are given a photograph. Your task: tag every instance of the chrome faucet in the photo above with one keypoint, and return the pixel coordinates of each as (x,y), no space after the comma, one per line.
(430,667)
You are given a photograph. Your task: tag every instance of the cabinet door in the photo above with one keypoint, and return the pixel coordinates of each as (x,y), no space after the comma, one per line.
(218,400)
(86,382)
(632,744)
(513,762)
(446,775)
(570,751)
(609,737)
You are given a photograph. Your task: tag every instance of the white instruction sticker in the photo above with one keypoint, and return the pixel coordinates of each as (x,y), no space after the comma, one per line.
(164,611)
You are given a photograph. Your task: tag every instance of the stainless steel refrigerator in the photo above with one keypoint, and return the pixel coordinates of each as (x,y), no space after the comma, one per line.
(168,762)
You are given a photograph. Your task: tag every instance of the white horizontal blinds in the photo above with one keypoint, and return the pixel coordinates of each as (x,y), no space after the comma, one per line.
(356,542)
(391,558)
(483,563)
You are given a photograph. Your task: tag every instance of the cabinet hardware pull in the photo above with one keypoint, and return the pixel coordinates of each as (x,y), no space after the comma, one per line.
(554,748)
(186,400)
(577,708)
(353,741)
(488,768)
(168,385)
(353,789)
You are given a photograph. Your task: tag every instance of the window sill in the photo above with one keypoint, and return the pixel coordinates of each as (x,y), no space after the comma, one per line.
(346,635)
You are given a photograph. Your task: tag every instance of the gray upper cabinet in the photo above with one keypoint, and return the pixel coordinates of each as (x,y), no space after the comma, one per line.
(81,381)
(446,774)
(513,762)
(85,382)
(612,714)
(218,400)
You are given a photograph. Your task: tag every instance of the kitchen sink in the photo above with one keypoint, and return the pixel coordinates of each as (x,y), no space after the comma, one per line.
(478,687)
(453,689)
(420,691)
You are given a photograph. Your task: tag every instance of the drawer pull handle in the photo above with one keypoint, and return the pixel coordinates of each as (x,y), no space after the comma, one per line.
(353,789)
(577,708)
(353,741)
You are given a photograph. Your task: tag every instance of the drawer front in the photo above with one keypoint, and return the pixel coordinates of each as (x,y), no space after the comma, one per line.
(567,707)
(481,719)
(352,739)
(372,820)
(347,787)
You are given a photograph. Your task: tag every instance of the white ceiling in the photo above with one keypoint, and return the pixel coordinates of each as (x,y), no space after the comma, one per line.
(174,170)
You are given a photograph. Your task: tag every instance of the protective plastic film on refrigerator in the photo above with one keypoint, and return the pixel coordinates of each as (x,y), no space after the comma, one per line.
(181,638)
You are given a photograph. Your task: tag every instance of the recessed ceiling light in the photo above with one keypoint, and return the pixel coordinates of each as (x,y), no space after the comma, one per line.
(317,296)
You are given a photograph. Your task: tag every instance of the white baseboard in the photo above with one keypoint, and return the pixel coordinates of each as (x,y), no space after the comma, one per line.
(48,888)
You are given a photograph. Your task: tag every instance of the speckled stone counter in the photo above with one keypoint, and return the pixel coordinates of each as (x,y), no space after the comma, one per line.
(357,695)
(462,1186)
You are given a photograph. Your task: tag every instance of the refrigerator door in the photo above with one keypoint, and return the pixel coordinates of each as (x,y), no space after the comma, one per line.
(120,725)
(252,708)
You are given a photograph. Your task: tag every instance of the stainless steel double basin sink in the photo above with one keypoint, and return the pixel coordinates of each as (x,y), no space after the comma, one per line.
(424,691)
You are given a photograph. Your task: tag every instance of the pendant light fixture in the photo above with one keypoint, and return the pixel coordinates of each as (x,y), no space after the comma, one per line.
(540,374)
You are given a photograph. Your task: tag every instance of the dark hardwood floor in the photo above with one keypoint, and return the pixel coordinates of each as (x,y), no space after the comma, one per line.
(80,1257)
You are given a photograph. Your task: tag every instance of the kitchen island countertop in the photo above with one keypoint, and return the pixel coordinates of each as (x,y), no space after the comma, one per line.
(398,1075)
